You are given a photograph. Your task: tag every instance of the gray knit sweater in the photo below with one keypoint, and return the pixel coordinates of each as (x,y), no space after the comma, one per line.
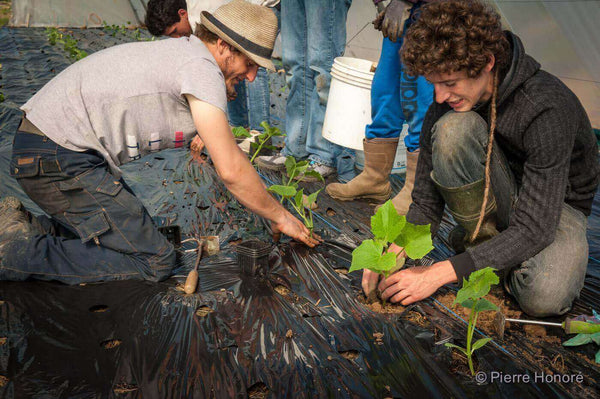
(547,138)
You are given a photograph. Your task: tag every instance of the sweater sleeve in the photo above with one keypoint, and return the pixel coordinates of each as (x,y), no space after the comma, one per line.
(548,140)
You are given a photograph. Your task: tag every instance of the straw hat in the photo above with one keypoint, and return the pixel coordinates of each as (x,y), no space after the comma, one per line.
(250,28)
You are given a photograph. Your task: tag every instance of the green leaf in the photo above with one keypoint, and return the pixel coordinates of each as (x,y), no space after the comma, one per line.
(298,198)
(312,198)
(479,343)
(477,285)
(314,174)
(460,348)
(468,303)
(386,224)
(483,305)
(290,163)
(365,255)
(240,131)
(579,339)
(284,191)
(369,256)
(265,125)
(598,357)
(253,144)
(416,240)
(596,338)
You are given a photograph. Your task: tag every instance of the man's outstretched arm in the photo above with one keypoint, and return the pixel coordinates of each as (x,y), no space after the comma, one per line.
(237,173)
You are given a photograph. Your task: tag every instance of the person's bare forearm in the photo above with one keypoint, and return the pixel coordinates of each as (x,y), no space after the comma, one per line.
(249,189)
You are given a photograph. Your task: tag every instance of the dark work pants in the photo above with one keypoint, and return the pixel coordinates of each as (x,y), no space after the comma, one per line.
(98,229)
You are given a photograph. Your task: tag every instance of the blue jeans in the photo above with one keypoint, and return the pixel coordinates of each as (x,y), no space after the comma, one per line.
(252,104)
(313,33)
(98,231)
(547,283)
(397,98)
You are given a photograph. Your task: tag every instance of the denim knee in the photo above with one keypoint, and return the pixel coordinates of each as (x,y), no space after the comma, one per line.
(459,148)
(538,299)
(161,264)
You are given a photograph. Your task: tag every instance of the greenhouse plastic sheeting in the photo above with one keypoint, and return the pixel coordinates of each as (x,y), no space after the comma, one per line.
(80,13)
(302,330)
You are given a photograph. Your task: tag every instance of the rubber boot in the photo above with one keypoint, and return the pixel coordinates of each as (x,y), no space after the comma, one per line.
(373,182)
(403,199)
(464,203)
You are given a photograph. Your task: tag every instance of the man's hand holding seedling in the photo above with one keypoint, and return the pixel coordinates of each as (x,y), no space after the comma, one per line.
(394,239)
(294,228)
(413,284)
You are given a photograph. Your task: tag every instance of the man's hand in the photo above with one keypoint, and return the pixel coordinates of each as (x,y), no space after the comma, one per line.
(416,283)
(391,20)
(370,278)
(294,228)
(197,144)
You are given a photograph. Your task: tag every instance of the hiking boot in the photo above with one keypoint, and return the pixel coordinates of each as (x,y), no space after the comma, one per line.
(272,162)
(14,221)
(373,182)
(323,170)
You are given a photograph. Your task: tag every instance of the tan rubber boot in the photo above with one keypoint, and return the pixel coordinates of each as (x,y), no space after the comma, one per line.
(403,199)
(373,182)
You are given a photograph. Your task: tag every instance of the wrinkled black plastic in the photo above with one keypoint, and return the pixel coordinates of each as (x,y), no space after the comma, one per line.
(253,257)
(299,331)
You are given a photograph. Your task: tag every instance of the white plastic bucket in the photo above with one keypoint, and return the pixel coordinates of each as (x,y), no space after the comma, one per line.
(349,109)
(400,161)
(349,103)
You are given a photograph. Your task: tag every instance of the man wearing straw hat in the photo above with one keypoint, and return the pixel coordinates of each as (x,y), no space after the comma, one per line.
(113,107)
(510,151)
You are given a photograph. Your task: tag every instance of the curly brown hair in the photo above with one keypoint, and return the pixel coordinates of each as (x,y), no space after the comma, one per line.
(454,35)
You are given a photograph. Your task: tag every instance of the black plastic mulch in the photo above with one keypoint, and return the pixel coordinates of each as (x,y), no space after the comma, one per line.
(301,331)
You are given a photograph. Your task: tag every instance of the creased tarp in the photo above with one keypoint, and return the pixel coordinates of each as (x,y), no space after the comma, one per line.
(80,13)
(302,332)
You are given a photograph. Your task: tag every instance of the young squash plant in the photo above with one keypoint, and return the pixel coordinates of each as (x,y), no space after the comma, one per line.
(389,227)
(263,139)
(471,296)
(296,172)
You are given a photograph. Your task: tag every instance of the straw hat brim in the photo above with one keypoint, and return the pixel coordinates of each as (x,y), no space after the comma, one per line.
(259,54)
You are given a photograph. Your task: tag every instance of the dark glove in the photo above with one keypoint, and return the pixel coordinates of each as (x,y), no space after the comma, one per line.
(391,21)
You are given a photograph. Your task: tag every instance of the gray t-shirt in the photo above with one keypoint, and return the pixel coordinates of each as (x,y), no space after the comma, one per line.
(128,100)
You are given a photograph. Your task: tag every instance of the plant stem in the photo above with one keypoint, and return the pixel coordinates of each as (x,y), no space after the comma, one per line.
(470,330)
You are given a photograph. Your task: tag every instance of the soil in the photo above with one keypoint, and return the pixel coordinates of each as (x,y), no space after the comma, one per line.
(3,381)
(485,320)
(203,311)
(111,343)
(350,355)
(258,391)
(3,340)
(460,364)
(99,308)
(289,334)
(374,303)
(122,388)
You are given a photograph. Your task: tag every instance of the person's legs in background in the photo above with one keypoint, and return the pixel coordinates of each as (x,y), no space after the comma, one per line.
(237,110)
(381,135)
(416,95)
(326,40)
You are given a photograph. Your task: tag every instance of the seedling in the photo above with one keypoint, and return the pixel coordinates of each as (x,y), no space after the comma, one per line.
(389,227)
(69,43)
(583,338)
(296,172)
(471,296)
(240,132)
(263,138)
